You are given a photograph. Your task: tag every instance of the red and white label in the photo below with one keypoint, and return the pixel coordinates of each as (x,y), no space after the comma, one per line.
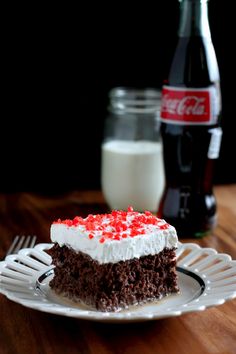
(190,105)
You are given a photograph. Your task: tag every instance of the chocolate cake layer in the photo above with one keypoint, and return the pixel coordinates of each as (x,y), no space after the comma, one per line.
(111,286)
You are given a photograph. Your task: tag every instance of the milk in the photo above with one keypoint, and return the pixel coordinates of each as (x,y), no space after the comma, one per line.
(132,174)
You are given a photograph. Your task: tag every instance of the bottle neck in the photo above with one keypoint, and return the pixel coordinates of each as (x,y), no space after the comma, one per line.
(194,18)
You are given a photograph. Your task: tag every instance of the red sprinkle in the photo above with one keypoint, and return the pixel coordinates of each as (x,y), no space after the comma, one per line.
(164,227)
(116,225)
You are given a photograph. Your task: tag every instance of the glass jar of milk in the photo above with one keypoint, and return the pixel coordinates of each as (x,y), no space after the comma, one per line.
(132,171)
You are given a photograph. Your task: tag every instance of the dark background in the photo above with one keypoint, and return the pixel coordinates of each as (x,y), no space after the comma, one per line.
(56,75)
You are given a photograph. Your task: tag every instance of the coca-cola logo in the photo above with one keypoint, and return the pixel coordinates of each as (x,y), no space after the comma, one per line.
(185,105)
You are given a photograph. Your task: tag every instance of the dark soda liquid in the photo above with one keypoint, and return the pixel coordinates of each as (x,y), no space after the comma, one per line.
(188,202)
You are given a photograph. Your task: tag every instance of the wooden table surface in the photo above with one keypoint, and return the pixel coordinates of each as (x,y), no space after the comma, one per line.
(23,330)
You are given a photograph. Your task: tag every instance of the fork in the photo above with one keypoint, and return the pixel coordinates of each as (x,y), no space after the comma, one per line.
(20,242)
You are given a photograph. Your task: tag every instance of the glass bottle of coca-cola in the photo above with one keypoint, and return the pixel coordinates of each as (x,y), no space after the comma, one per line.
(190,125)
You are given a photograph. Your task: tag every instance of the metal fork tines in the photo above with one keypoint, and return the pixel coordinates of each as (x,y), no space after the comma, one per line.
(20,242)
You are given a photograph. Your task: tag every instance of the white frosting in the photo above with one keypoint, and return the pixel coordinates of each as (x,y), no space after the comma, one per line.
(112,251)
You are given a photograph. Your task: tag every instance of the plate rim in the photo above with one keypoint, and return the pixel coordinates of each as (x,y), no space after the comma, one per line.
(127,316)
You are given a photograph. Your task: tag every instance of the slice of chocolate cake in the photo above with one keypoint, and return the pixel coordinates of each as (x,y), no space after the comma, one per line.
(111,261)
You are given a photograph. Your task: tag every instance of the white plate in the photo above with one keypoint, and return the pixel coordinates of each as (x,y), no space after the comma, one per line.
(206,279)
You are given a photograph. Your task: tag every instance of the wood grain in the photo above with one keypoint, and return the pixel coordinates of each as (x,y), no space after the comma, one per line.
(26,331)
